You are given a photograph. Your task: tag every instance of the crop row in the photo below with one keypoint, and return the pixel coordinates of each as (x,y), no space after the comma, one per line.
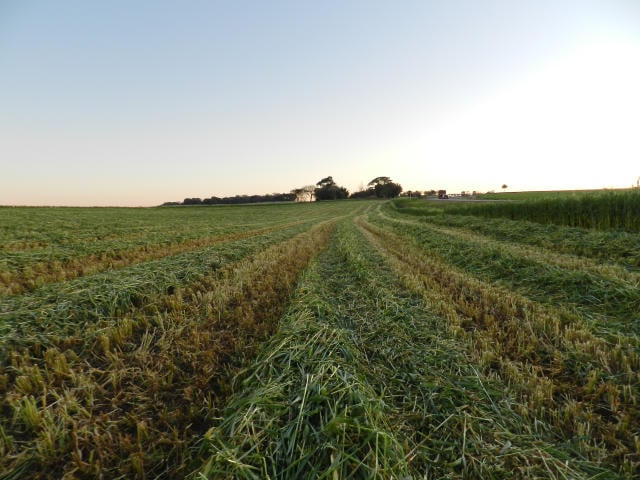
(84,251)
(35,275)
(608,294)
(375,345)
(605,247)
(62,311)
(566,341)
(127,395)
(363,380)
(25,228)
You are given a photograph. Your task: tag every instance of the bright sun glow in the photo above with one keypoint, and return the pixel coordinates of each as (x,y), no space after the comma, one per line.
(574,123)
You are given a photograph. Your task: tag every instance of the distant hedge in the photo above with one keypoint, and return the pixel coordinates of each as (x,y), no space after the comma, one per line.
(236,199)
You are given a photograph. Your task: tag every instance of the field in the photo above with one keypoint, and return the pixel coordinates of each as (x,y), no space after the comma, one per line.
(349,339)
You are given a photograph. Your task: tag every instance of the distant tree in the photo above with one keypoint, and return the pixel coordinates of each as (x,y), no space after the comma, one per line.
(326,181)
(363,192)
(237,199)
(369,193)
(385,188)
(328,190)
(379,181)
(282,197)
(504,186)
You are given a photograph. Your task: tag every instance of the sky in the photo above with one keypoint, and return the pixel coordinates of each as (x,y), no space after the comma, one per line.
(137,103)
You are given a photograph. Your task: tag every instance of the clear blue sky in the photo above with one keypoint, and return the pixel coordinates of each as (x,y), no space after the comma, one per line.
(140,102)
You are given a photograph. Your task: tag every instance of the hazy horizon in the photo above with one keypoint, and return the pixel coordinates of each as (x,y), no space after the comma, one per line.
(136,104)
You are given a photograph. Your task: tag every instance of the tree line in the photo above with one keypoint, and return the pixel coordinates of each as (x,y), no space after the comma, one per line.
(325,189)
(236,199)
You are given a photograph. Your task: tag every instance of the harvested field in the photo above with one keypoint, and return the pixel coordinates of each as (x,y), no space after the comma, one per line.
(348,339)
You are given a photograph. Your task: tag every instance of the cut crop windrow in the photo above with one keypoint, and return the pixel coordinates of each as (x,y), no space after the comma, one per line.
(29,278)
(361,381)
(611,271)
(414,346)
(92,249)
(606,302)
(568,378)
(147,387)
(606,247)
(63,311)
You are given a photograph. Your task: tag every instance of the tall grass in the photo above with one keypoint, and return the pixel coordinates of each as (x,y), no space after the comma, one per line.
(608,210)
